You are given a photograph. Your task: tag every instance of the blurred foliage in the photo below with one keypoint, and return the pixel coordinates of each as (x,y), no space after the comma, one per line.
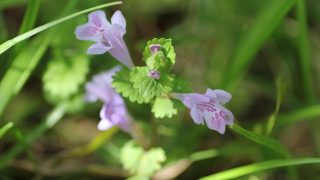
(241,45)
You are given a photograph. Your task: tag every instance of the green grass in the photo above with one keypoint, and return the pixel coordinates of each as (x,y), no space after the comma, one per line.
(262,166)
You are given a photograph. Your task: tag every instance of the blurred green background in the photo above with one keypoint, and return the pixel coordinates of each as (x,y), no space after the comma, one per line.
(266,53)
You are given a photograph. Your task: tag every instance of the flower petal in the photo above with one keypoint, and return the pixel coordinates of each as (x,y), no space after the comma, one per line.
(219,95)
(104,125)
(117,18)
(196,115)
(190,99)
(120,121)
(229,118)
(87,32)
(98,18)
(119,49)
(98,48)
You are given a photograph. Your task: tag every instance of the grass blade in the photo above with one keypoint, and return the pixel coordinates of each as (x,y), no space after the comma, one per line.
(262,140)
(280,92)
(304,52)
(257,167)
(8,44)
(30,16)
(5,128)
(261,30)
(306,113)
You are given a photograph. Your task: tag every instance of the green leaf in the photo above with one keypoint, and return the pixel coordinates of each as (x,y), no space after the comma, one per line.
(156,60)
(235,173)
(151,162)
(121,82)
(163,107)
(130,156)
(8,44)
(262,140)
(148,87)
(64,76)
(140,163)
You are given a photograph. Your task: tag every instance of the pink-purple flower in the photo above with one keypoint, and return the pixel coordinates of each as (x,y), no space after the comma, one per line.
(208,108)
(113,112)
(108,37)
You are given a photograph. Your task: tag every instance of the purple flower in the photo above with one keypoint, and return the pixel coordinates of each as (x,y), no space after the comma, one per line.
(113,112)
(108,37)
(208,108)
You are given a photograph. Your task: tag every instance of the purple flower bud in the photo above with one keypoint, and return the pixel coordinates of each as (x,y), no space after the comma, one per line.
(108,37)
(113,112)
(154,48)
(154,74)
(208,108)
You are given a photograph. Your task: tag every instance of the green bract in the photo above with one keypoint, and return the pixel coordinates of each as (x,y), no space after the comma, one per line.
(144,84)
(164,59)
(148,87)
(121,82)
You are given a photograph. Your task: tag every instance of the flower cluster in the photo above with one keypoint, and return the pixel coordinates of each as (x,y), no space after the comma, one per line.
(146,83)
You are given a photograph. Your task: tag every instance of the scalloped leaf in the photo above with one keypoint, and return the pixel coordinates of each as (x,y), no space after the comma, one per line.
(63,77)
(140,163)
(163,107)
(148,87)
(121,82)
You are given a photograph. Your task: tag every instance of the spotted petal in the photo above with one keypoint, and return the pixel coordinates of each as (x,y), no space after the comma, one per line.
(214,122)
